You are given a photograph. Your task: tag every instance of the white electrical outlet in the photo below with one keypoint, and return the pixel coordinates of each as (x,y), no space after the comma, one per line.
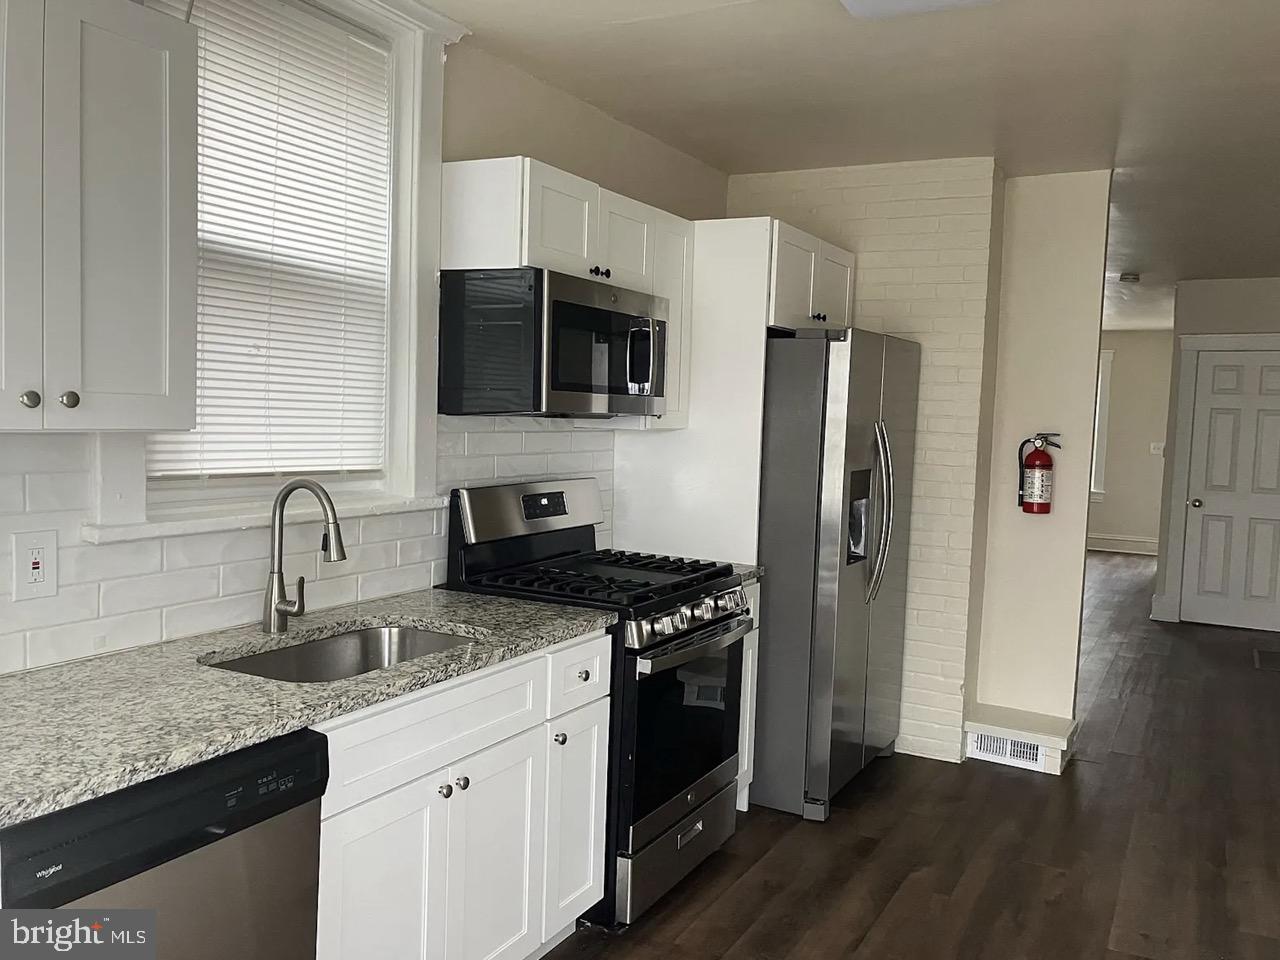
(1157,449)
(35,564)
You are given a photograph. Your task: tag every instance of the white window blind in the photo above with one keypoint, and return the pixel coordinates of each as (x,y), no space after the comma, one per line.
(294,182)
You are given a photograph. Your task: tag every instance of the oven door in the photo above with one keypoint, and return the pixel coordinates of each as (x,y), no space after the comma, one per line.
(682,700)
(605,351)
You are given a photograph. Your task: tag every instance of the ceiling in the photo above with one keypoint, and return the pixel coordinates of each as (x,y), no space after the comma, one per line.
(1182,97)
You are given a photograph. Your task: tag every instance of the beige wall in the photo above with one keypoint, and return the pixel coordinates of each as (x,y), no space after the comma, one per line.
(493,109)
(1127,517)
(1206,307)
(1055,236)
(923,235)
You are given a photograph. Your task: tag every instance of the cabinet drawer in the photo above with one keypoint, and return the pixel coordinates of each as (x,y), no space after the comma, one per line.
(377,753)
(578,674)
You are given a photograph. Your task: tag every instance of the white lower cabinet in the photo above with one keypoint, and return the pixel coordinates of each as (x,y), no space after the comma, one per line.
(496,844)
(577,773)
(382,871)
(488,858)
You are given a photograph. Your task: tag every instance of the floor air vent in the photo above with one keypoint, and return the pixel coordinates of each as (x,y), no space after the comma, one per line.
(1013,753)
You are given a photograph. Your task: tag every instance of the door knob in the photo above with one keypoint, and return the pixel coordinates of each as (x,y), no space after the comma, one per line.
(30,399)
(70,399)
(561,738)
(1197,503)
(463,782)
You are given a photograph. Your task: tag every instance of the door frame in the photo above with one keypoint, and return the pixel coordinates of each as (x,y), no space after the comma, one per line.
(1166,604)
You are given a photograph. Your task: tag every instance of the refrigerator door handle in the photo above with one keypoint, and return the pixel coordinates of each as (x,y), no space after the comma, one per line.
(890,509)
(886,487)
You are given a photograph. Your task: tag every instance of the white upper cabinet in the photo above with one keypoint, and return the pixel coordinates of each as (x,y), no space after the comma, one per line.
(812,283)
(562,220)
(117,193)
(21,27)
(627,229)
(795,271)
(833,297)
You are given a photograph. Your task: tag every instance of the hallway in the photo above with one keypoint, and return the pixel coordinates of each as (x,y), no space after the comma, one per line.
(1161,840)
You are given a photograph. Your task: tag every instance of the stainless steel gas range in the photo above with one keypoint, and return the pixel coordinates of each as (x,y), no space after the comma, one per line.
(677,670)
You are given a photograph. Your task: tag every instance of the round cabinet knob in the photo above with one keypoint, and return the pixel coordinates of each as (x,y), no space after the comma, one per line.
(594,271)
(446,790)
(30,399)
(70,399)
(584,675)
(561,738)
(1197,503)
(463,782)
(607,273)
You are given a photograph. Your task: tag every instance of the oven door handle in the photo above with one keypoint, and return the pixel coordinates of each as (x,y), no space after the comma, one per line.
(648,666)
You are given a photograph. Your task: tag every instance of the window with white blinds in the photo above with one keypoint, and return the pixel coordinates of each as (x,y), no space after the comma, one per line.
(294,184)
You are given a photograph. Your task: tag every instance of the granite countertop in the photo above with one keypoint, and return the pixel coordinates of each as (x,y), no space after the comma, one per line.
(79,730)
(749,573)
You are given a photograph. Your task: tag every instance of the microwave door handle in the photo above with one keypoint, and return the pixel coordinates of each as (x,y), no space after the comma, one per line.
(631,360)
(640,387)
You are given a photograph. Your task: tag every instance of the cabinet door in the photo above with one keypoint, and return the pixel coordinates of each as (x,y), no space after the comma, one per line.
(496,850)
(577,771)
(795,270)
(627,229)
(383,868)
(834,296)
(119,217)
(561,220)
(673,279)
(21,30)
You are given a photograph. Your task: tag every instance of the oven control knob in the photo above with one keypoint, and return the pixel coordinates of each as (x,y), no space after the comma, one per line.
(681,618)
(704,609)
(664,626)
(727,602)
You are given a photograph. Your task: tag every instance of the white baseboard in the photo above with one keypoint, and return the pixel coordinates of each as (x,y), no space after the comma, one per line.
(1147,546)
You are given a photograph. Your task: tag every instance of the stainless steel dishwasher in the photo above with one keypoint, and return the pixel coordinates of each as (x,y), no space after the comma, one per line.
(226,852)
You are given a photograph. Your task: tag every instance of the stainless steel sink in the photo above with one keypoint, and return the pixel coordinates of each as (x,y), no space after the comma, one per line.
(344,655)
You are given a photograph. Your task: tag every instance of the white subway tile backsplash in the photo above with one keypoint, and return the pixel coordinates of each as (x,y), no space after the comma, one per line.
(90,637)
(331,593)
(592,440)
(400,580)
(57,491)
(396,526)
(88,563)
(206,615)
(570,464)
(422,549)
(70,604)
(204,549)
(244,576)
(521,465)
(160,590)
(13,652)
(494,443)
(11,494)
(46,452)
(548,442)
(363,558)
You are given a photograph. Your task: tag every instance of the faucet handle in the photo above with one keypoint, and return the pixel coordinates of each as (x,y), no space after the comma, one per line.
(297,606)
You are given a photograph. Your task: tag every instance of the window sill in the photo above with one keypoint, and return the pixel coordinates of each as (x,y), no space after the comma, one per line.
(178,520)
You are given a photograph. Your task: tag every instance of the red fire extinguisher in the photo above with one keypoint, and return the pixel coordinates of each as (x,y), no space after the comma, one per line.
(1035,473)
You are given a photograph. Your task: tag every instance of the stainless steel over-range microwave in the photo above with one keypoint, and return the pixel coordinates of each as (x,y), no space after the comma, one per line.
(532,341)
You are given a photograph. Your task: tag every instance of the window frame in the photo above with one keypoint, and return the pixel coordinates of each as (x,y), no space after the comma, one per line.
(417,37)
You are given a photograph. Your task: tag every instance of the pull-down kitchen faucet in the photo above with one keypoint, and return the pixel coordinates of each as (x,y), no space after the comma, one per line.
(277,608)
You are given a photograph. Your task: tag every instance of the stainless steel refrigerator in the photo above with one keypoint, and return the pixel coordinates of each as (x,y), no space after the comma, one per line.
(835,511)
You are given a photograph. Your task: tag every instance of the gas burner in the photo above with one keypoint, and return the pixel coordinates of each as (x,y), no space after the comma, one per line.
(653,562)
(569,583)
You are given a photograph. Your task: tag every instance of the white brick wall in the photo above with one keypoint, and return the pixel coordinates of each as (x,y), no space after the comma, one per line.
(481,450)
(122,595)
(922,232)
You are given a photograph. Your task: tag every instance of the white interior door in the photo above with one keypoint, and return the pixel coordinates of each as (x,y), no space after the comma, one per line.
(119,217)
(496,837)
(1231,562)
(21,40)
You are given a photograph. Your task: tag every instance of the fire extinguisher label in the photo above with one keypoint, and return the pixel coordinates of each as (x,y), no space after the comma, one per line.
(1037,486)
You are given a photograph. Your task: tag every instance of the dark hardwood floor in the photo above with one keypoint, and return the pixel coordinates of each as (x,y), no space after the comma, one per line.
(1161,840)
